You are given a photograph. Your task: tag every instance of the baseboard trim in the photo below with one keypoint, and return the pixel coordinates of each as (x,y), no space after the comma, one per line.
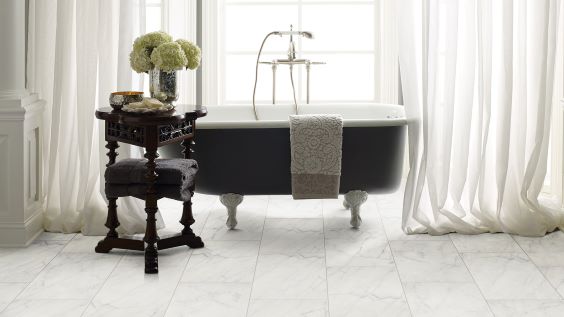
(21,234)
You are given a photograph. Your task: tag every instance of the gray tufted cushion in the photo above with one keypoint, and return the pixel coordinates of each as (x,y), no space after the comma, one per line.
(127,178)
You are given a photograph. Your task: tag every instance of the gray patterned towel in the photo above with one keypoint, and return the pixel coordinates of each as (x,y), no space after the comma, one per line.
(316,142)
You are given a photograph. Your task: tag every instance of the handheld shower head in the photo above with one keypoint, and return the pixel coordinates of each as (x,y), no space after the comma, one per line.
(306,34)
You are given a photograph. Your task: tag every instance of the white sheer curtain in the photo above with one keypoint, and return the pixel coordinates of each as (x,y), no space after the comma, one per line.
(77,54)
(180,22)
(478,81)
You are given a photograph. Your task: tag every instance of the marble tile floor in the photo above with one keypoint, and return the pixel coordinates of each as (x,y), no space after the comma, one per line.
(290,258)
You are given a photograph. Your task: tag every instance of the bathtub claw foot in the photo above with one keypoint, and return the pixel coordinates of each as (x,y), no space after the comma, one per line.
(231,201)
(354,199)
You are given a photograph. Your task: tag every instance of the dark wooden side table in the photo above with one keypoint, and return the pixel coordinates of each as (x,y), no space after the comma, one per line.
(150,132)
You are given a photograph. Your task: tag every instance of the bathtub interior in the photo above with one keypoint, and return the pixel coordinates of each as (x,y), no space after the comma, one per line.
(392,114)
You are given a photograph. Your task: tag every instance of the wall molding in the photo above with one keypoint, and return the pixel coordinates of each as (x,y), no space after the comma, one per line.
(21,211)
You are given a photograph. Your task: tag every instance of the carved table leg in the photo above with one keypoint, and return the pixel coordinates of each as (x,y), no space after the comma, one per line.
(112,220)
(187,220)
(112,146)
(231,201)
(354,199)
(111,223)
(151,237)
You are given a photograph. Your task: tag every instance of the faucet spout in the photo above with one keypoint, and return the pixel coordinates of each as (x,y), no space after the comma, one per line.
(292,46)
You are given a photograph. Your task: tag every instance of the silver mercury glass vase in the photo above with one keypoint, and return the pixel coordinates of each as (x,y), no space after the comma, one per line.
(162,85)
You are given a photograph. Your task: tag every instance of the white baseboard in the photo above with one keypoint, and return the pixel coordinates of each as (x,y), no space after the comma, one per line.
(21,234)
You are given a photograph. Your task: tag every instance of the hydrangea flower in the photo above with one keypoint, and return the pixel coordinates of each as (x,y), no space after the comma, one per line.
(169,57)
(140,61)
(151,40)
(192,52)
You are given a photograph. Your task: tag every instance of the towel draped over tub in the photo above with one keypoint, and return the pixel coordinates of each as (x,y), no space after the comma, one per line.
(316,149)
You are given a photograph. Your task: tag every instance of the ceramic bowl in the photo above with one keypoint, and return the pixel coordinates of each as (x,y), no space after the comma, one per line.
(120,98)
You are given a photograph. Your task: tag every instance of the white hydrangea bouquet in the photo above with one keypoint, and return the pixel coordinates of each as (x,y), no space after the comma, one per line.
(157,54)
(158,50)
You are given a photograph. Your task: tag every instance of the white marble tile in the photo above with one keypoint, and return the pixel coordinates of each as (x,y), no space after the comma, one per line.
(47,236)
(340,228)
(367,252)
(223,262)
(250,216)
(552,267)
(9,291)
(555,276)
(71,276)
(508,276)
(392,226)
(45,308)
(429,261)
(381,281)
(290,277)
(543,259)
(293,236)
(23,264)
(446,299)
(82,244)
(487,242)
(344,305)
(423,246)
(390,212)
(288,308)
(550,243)
(287,207)
(391,200)
(210,300)
(527,308)
(390,205)
(128,291)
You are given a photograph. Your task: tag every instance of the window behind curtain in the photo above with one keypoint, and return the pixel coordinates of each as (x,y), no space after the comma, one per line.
(345,38)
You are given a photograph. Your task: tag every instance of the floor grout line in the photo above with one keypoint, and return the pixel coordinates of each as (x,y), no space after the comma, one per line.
(394,259)
(102,286)
(208,211)
(471,275)
(258,255)
(536,266)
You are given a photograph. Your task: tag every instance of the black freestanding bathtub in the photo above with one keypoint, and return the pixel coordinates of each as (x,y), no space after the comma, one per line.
(242,156)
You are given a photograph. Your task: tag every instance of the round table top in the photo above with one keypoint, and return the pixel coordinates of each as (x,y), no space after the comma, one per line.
(179,114)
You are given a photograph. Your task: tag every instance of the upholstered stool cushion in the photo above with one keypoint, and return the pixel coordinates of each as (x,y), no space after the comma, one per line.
(175,178)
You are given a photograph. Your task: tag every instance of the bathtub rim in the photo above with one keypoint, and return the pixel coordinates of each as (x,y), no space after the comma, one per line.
(248,123)
(273,124)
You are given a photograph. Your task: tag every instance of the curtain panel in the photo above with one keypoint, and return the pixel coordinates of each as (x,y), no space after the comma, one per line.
(78,53)
(478,82)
